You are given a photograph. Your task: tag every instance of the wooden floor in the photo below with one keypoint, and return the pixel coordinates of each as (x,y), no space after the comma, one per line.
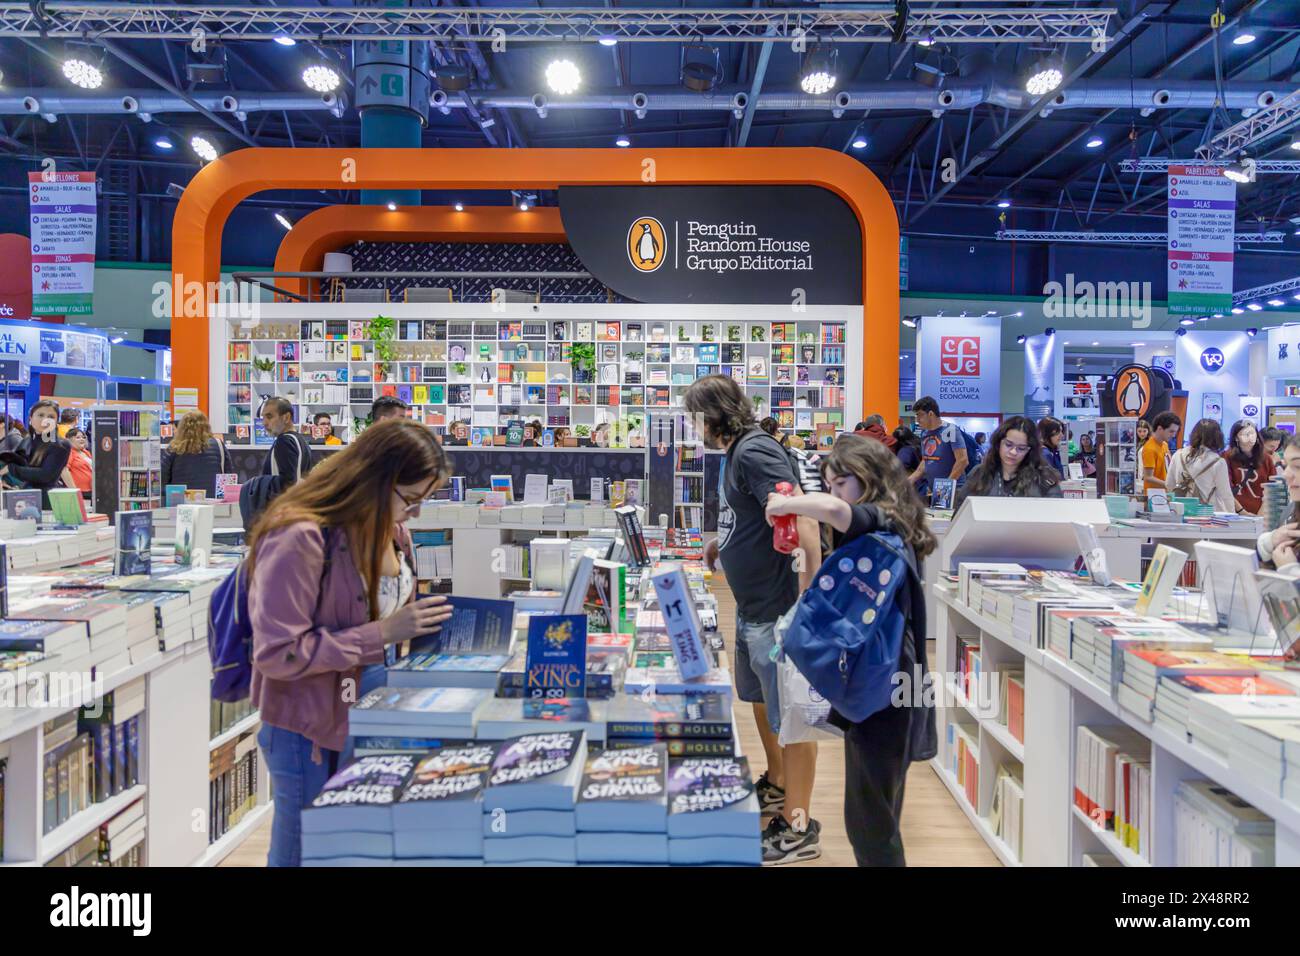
(935,831)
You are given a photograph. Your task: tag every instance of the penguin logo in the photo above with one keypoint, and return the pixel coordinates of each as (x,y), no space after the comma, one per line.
(1132,386)
(647,244)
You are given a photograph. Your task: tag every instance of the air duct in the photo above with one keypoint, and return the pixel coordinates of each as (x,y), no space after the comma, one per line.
(64,103)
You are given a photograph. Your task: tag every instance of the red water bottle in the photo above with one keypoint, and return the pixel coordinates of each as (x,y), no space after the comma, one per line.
(785,531)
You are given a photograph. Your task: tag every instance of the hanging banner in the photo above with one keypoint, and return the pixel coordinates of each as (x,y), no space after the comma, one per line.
(1202,226)
(34,343)
(1044,377)
(787,245)
(959,362)
(1251,408)
(62,208)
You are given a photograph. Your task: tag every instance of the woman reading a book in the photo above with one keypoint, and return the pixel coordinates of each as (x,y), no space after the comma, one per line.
(40,458)
(330,587)
(1016,469)
(195,456)
(870,492)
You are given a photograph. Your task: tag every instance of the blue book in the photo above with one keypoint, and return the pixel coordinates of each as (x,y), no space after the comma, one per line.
(347,843)
(536,772)
(360,797)
(119,758)
(476,626)
(711,797)
(348,861)
(447,670)
(392,744)
(556,661)
(622,847)
(173,495)
(132,751)
(519,823)
(134,541)
(439,861)
(729,850)
(416,706)
(439,843)
(519,849)
(445,790)
(625,791)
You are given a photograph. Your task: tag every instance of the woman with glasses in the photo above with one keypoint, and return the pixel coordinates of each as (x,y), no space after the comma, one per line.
(331,586)
(1015,469)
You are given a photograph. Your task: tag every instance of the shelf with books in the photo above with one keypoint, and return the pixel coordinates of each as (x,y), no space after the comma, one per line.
(251,722)
(231,840)
(980,823)
(1108,840)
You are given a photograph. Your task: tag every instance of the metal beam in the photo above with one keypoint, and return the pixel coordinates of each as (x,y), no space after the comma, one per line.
(1269,121)
(1271,288)
(756,87)
(1158,238)
(1157,165)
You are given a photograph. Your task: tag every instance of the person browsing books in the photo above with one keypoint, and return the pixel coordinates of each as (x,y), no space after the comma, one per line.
(943,450)
(1015,469)
(765,584)
(1250,466)
(80,473)
(1198,471)
(1272,439)
(870,492)
(1051,433)
(194,457)
(330,586)
(41,457)
(1155,453)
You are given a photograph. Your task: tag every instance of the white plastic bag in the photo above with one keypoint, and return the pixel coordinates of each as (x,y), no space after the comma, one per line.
(804,712)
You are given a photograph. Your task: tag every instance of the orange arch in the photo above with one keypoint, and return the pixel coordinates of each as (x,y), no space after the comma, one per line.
(324,230)
(211,196)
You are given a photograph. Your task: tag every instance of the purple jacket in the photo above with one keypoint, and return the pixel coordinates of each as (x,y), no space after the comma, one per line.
(310,642)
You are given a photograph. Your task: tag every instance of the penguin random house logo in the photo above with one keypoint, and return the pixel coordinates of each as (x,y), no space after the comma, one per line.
(1212,360)
(647,244)
(74,909)
(959,355)
(1133,391)
(1098,300)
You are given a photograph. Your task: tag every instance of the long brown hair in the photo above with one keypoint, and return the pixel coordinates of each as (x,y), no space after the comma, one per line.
(1207,436)
(885,485)
(192,434)
(352,490)
(1032,471)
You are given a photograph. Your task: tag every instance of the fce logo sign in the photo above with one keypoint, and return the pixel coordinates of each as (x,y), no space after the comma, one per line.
(1212,360)
(959,355)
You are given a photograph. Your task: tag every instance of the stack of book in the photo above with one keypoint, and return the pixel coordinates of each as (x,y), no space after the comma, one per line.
(438,817)
(964,760)
(223,716)
(1112,783)
(350,822)
(1108,636)
(712,812)
(1277,503)
(69,776)
(1267,753)
(605,675)
(113,724)
(1215,827)
(233,773)
(504,717)
(121,839)
(1217,705)
(1012,699)
(668,680)
(1144,668)
(435,713)
(448,670)
(622,811)
(104,625)
(528,805)
(1006,817)
(695,725)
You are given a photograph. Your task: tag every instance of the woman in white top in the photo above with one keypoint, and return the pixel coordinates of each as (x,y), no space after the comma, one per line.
(1279,547)
(1199,471)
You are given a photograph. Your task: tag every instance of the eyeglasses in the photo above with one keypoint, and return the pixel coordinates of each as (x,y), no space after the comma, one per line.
(413,503)
(1015,449)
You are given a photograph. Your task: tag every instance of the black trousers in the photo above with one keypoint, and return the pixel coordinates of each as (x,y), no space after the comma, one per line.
(875,770)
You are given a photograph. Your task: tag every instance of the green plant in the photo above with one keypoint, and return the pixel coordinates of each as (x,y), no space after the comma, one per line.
(382,330)
(264,364)
(359,425)
(460,368)
(582,357)
(758,400)
(582,431)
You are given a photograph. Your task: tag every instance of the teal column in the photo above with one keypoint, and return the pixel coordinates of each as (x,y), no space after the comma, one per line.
(384,126)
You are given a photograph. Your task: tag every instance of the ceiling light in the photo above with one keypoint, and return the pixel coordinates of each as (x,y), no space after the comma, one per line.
(563,77)
(392,206)
(116,339)
(1004,203)
(909,321)
(1295,143)
(162,142)
(284,40)
(1095,143)
(1181,332)
(283,220)
(82,74)
(1185,321)
(1218,315)
(1045,75)
(1202,318)
(1254,307)
(321,79)
(1138,344)
(452,78)
(1296,296)
(818,76)
(175,190)
(203,148)
(460,207)
(1096,344)
(1276,303)
(1238,172)
(1049,331)
(925,42)
(608,41)
(1020,340)
(1065,343)
(622,141)
(1237,311)
(523,205)
(1018,314)
(859,143)
(1252,332)
(701,67)
(1243,37)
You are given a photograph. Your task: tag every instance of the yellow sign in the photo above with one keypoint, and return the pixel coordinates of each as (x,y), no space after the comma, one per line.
(647,244)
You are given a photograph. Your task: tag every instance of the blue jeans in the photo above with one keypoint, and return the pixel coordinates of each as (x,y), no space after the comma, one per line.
(756,676)
(295,782)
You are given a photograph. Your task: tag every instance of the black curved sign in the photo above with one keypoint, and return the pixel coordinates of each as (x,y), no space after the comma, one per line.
(717,244)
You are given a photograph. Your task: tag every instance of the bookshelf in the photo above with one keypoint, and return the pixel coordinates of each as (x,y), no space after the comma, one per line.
(688,474)
(127,474)
(1119,459)
(577,367)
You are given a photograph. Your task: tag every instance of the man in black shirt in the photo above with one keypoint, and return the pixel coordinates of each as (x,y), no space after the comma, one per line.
(765,584)
(290,455)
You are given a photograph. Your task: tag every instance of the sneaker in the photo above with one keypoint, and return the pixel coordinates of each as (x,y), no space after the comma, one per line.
(771,798)
(782,843)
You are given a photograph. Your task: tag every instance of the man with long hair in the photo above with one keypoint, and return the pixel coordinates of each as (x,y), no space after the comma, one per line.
(765,584)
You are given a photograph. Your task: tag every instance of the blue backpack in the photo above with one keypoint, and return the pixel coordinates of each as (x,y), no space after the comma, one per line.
(230,632)
(846,635)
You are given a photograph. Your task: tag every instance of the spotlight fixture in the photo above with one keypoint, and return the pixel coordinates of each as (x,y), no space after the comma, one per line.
(1252,332)
(285,40)
(1020,340)
(818,76)
(162,142)
(1237,311)
(1243,37)
(82,74)
(931,68)
(1296,296)
(1045,75)
(859,142)
(523,205)
(452,78)
(116,340)
(283,220)
(1095,344)
(203,148)
(1049,331)
(701,68)
(392,206)
(1185,321)
(1239,172)
(175,190)
(460,207)
(1019,314)
(1202,318)
(1254,307)
(1276,303)
(909,321)
(1065,343)
(321,78)
(622,141)
(1181,332)
(1004,203)
(608,41)
(207,65)
(1095,143)
(563,77)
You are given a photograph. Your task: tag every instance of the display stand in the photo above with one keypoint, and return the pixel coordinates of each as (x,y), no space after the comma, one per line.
(127,459)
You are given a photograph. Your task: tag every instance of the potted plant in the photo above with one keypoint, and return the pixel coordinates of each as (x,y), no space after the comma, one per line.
(263,369)
(759,401)
(584,434)
(461,369)
(382,330)
(583,361)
